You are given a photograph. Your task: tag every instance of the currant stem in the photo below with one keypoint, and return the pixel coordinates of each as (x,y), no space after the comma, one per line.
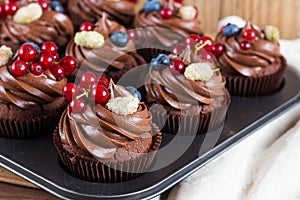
(197,47)
(85,93)
(216,70)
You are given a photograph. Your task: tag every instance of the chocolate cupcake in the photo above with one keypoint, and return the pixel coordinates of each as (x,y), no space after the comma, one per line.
(113,140)
(99,49)
(36,23)
(250,59)
(186,95)
(121,11)
(159,27)
(31,100)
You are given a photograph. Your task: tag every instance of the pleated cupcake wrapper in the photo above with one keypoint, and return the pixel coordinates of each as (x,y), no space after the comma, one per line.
(255,86)
(28,128)
(149,53)
(177,123)
(90,169)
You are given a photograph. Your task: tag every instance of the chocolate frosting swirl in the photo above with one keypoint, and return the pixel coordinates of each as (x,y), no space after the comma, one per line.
(167,87)
(99,132)
(164,32)
(52,26)
(121,11)
(108,56)
(263,58)
(29,90)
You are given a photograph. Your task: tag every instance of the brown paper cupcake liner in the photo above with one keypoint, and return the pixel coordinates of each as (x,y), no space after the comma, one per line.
(178,123)
(90,169)
(255,86)
(29,128)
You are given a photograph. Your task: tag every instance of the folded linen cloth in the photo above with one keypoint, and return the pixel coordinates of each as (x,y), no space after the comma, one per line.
(255,168)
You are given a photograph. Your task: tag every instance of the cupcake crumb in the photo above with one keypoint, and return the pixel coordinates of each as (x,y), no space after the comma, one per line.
(89,39)
(5,54)
(123,105)
(199,72)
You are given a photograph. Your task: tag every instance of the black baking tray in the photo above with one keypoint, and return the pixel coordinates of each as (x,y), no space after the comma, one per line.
(36,159)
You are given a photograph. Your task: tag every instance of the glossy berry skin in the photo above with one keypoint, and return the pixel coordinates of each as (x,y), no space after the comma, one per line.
(178,66)
(210,43)
(166,13)
(231,30)
(218,49)
(36,69)
(134,1)
(134,92)
(77,106)
(131,34)
(70,91)
(245,45)
(36,46)
(103,81)
(119,38)
(46,60)
(57,71)
(18,68)
(192,40)
(178,49)
(100,95)
(56,6)
(44,5)
(2,11)
(27,53)
(69,64)
(249,34)
(55,57)
(151,6)
(206,56)
(160,62)
(86,26)
(11,8)
(87,80)
(49,47)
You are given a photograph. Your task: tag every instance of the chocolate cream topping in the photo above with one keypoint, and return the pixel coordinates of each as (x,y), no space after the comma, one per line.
(167,87)
(121,11)
(164,32)
(29,90)
(99,132)
(52,26)
(109,55)
(263,58)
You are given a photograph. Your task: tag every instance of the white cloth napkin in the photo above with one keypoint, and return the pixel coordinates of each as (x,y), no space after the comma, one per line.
(264,166)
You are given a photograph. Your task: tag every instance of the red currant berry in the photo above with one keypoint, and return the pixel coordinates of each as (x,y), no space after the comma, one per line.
(206,56)
(11,8)
(49,47)
(245,45)
(249,34)
(2,11)
(102,80)
(70,91)
(178,66)
(18,68)
(36,69)
(57,71)
(27,53)
(218,49)
(55,57)
(134,1)
(210,43)
(44,5)
(46,60)
(100,95)
(178,49)
(87,80)
(69,64)
(86,26)
(192,40)
(131,34)
(166,13)
(77,106)
(179,1)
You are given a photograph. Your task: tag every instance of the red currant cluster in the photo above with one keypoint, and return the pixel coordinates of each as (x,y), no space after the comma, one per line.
(31,57)
(90,88)
(167,12)
(249,35)
(206,42)
(10,7)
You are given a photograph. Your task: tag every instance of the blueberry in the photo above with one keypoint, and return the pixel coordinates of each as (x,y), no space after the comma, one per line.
(160,62)
(231,30)
(152,5)
(119,38)
(37,48)
(56,6)
(134,92)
